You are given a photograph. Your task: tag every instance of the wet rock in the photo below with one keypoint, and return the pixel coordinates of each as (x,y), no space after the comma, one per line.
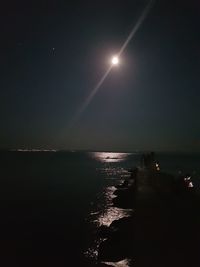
(125,198)
(119,245)
(123,185)
(104,231)
(124,223)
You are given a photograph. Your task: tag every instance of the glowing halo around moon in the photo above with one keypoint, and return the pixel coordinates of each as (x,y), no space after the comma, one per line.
(113,63)
(115,60)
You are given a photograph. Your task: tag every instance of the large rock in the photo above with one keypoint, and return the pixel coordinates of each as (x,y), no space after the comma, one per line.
(120,243)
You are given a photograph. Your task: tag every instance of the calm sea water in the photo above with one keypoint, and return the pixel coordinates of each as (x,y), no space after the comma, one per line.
(52,202)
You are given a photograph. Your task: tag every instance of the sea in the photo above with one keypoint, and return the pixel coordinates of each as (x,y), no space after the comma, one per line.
(53,202)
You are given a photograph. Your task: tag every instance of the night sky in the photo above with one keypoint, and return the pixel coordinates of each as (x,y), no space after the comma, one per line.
(53,53)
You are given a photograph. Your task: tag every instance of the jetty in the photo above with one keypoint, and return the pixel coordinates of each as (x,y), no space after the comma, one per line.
(164,228)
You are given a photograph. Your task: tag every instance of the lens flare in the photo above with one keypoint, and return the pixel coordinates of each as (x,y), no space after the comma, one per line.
(114,62)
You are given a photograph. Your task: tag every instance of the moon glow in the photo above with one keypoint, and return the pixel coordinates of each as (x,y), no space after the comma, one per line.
(115,60)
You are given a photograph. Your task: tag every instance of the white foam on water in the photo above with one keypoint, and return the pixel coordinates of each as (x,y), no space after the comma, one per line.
(112,214)
(93,251)
(123,263)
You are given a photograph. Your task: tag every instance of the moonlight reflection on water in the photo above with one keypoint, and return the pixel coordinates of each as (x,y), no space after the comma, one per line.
(123,263)
(110,156)
(113,170)
(111,213)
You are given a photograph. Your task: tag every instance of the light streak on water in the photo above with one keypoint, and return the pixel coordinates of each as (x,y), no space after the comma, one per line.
(104,218)
(107,213)
(110,213)
(110,156)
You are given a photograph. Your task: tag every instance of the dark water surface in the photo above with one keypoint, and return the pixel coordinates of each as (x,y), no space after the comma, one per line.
(51,202)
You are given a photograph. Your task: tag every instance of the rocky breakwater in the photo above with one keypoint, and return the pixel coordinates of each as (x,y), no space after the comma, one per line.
(118,246)
(163,229)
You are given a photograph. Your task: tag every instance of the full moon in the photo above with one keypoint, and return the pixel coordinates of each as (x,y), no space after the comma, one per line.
(115,60)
